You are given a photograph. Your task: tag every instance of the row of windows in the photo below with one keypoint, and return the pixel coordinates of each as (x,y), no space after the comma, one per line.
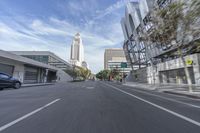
(47,60)
(40,58)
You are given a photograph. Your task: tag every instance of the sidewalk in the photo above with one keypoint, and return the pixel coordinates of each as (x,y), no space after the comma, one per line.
(38,84)
(141,85)
(168,88)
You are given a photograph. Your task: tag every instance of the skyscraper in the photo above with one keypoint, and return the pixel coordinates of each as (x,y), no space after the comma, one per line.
(77,51)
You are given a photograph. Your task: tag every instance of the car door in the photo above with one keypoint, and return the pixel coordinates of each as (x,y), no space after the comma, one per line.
(4,80)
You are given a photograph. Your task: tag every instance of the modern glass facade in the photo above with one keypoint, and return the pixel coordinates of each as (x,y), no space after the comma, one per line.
(139,52)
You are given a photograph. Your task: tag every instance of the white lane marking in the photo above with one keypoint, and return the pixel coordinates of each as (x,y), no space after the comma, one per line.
(26,116)
(158,106)
(89,87)
(169,99)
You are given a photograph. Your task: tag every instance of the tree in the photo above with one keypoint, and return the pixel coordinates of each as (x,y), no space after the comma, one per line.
(99,75)
(115,74)
(176,25)
(79,72)
(85,73)
(106,74)
(73,73)
(103,74)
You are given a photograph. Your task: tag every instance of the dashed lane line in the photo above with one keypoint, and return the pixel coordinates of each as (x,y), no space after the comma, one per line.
(27,115)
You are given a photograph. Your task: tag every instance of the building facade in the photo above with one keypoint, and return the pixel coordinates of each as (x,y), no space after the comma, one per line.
(26,70)
(30,71)
(155,62)
(113,58)
(46,57)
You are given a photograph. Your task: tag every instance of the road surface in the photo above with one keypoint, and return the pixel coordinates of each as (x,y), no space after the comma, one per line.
(96,107)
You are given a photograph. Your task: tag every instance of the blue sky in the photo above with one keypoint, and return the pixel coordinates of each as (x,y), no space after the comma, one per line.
(51,24)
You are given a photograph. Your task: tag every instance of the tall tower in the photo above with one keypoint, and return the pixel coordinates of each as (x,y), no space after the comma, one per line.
(77,51)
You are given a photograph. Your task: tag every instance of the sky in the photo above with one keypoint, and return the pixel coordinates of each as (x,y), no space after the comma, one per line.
(50,25)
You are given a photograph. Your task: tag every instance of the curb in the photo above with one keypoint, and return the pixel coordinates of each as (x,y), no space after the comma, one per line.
(181,94)
(169,92)
(36,85)
(144,88)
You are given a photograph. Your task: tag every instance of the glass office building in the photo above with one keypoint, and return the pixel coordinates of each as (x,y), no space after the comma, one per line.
(156,59)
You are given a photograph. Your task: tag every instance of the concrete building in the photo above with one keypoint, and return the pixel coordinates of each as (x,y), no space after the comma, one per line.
(46,57)
(113,58)
(28,70)
(153,62)
(77,51)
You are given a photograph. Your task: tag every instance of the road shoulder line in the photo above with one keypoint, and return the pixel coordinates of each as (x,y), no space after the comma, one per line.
(157,106)
(169,99)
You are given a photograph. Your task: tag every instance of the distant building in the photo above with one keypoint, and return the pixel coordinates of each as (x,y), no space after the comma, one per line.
(77,51)
(45,57)
(113,58)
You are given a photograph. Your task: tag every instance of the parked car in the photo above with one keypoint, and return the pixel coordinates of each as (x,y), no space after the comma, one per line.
(7,81)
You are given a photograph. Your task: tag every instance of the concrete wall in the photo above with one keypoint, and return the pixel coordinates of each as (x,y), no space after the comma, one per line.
(18,68)
(62,76)
(154,73)
(139,75)
(168,72)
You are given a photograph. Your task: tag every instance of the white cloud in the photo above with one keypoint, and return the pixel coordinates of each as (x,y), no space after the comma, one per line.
(111,9)
(56,35)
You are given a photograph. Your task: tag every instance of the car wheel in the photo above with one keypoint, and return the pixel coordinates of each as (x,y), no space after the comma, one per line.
(1,89)
(17,85)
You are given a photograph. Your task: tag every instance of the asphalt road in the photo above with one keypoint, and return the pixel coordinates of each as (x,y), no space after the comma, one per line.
(96,107)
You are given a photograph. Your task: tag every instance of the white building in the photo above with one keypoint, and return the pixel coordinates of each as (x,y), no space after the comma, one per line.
(46,57)
(30,71)
(77,51)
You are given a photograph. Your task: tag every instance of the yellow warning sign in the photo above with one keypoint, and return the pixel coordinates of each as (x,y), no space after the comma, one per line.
(189,61)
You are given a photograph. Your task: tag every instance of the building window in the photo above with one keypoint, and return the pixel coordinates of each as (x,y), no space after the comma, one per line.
(163,3)
(131,23)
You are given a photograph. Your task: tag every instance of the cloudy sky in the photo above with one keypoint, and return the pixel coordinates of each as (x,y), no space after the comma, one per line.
(51,24)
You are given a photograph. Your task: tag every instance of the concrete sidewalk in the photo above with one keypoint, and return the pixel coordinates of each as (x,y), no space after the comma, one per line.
(168,88)
(38,84)
(141,85)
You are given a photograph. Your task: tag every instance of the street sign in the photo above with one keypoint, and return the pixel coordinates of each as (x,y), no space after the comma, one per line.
(189,62)
(123,65)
